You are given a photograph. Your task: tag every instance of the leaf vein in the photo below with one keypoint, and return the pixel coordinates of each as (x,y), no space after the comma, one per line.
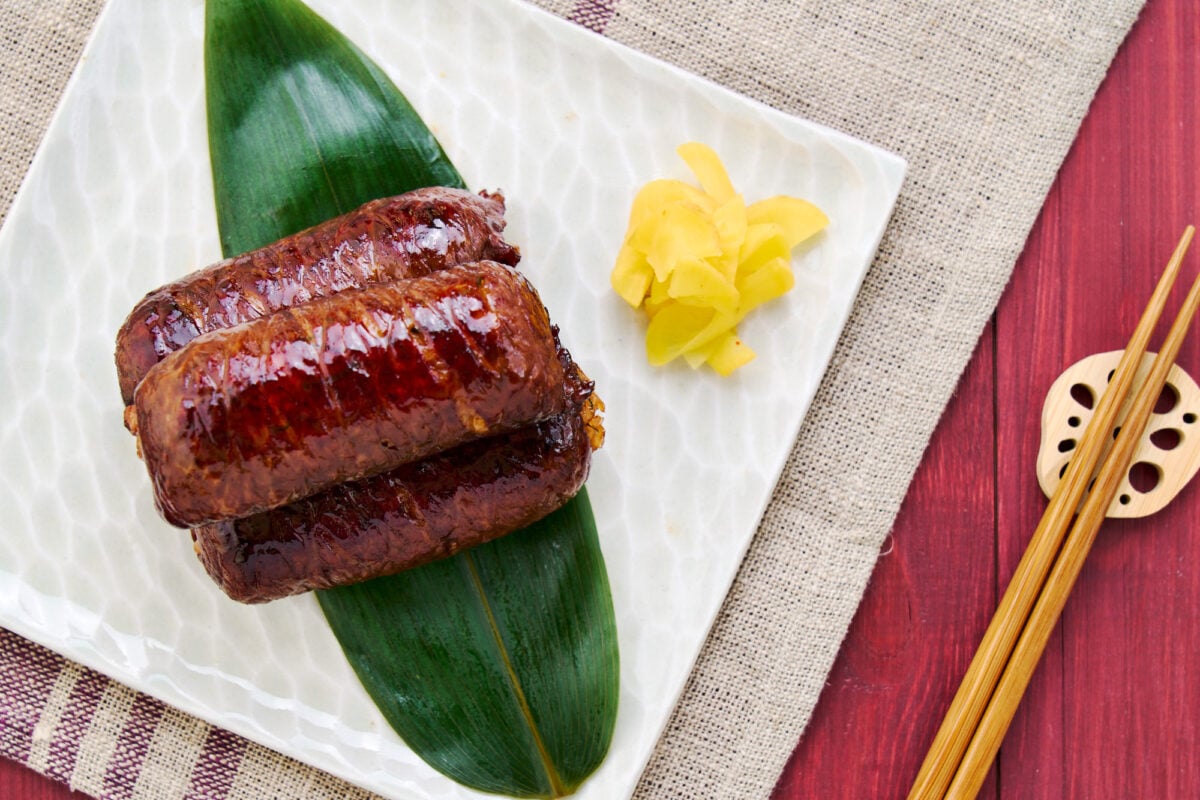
(556,784)
(296,94)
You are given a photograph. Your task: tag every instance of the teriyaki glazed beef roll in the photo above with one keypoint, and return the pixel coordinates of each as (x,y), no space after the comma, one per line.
(363,397)
(261,414)
(385,240)
(411,515)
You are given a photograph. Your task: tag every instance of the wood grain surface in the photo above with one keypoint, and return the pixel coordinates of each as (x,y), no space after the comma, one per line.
(1114,710)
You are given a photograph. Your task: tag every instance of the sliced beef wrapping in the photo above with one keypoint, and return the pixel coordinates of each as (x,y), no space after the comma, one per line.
(398,237)
(261,414)
(406,517)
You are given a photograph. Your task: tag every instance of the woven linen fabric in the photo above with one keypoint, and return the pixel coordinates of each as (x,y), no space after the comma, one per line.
(983,99)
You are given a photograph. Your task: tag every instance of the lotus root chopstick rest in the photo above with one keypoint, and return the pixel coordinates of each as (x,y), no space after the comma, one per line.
(1165,460)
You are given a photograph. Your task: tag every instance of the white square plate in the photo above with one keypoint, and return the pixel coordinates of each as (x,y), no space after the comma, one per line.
(568,124)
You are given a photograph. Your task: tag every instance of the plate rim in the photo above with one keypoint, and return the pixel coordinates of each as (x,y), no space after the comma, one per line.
(164,691)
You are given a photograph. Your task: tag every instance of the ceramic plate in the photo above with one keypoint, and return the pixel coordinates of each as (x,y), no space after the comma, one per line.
(568,124)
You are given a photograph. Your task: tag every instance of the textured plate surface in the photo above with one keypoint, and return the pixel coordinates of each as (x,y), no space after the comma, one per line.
(119,200)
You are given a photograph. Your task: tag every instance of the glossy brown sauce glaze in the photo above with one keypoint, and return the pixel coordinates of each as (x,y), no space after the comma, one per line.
(261,414)
(408,516)
(398,237)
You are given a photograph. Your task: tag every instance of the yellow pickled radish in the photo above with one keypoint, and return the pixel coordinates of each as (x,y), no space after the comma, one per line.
(698,282)
(684,233)
(773,279)
(706,165)
(764,242)
(730,221)
(697,260)
(797,219)
(657,297)
(673,329)
(729,353)
(656,195)
(698,356)
(631,276)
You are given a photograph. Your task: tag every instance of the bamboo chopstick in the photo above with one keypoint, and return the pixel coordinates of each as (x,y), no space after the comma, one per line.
(965,711)
(1028,651)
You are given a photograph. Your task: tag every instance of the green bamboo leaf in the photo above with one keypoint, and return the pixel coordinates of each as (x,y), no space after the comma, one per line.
(499,667)
(516,666)
(302,126)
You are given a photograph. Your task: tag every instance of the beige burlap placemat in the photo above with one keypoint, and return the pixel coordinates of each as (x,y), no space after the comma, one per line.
(983,99)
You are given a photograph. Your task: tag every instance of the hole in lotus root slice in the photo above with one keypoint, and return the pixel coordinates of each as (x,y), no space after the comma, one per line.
(1167,400)
(1144,476)
(1168,460)
(1083,394)
(1166,439)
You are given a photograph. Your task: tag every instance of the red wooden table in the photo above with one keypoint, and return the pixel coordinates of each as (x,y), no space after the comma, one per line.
(1114,710)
